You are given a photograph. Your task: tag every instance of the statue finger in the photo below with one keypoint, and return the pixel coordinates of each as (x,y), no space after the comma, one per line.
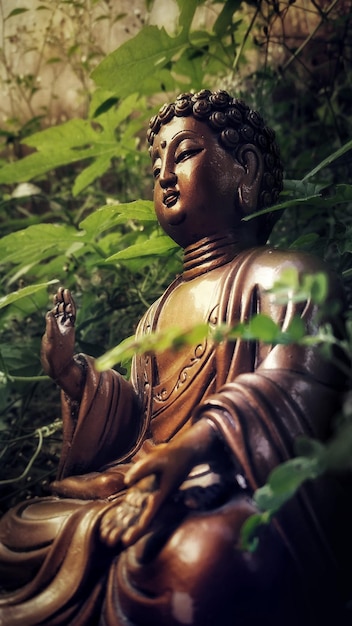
(111,528)
(65,311)
(71,303)
(69,315)
(68,300)
(142,523)
(59,296)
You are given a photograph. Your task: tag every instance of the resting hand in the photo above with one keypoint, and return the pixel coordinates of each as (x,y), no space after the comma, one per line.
(170,464)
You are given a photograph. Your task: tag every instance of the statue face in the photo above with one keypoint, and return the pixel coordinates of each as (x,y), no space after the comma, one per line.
(196,181)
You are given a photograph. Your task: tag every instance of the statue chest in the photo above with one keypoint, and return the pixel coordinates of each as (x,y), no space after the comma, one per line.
(189,304)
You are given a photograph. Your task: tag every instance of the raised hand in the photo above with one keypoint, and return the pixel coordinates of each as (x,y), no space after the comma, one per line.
(57,353)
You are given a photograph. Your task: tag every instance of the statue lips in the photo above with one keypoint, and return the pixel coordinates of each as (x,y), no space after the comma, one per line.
(170,198)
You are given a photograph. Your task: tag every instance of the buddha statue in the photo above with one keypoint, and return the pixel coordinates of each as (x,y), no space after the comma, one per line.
(157,474)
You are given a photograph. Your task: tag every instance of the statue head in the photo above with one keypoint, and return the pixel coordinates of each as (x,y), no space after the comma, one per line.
(242,134)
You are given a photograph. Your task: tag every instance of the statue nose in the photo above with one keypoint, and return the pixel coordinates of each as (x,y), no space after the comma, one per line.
(167,178)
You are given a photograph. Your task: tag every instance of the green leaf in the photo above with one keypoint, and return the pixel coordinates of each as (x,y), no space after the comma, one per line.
(105,106)
(263,328)
(91,173)
(224,19)
(248,538)
(301,188)
(23,293)
(295,288)
(139,58)
(296,330)
(306,242)
(170,339)
(317,285)
(157,246)
(285,480)
(131,64)
(38,242)
(304,446)
(324,199)
(330,159)
(108,216)
(287,477)
(74,141)
(16,12)
(283,205)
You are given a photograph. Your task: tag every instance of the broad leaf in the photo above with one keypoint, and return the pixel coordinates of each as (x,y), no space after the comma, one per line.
(285,480)
(224,20)
(330,159)
(17,12)
(74,141)
(108,216)
(128,67)
(324,199)
(38,242)
(23,293)
(156,246)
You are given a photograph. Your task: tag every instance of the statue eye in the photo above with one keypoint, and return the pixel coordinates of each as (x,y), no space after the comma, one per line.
(156,172)
(186,152)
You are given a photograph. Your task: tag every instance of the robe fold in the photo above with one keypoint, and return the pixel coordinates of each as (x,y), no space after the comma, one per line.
(260,398)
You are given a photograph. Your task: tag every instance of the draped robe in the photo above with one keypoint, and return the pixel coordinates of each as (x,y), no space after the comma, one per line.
(259,398)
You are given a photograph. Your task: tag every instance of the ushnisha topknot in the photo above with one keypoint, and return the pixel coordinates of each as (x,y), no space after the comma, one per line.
(236,125)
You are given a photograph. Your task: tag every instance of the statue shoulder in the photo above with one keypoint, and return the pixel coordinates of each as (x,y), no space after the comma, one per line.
(269,263)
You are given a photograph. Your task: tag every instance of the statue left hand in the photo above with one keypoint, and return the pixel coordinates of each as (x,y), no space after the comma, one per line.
(170,463)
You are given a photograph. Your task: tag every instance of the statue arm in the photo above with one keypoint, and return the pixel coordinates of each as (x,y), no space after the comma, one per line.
(101,412)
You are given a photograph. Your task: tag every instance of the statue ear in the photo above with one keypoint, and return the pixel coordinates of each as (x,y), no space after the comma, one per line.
(251,160)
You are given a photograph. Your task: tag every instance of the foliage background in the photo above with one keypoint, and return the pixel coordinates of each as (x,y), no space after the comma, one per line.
(70,173)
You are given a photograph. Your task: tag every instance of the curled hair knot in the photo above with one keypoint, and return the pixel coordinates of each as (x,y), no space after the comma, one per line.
(202,109)
(220,99)
(269,180)
(166,113)
(247,133)
(155,124)
(261,141)
(255,119)
(241,106)
(183,106)
(150,136)
(269,161)
(218,120)
(234,116)
(265,199)
(203,94)
(278,175)
(230,138)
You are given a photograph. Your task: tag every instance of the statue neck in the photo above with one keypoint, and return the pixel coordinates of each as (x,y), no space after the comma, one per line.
(209,253)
